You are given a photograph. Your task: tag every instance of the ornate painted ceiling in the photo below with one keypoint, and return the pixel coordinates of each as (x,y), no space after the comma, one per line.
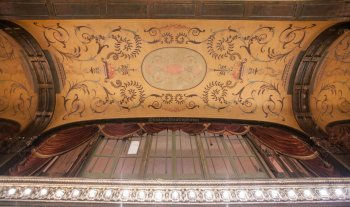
(111,69)
(331,93)
(17,96)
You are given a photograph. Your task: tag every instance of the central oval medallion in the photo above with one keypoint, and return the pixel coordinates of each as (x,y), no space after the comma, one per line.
(174,68)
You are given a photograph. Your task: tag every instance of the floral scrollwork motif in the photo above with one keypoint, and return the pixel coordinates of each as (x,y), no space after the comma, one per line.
(132,95)
(339,71)
(331,98)
(15,98)
(221,44)
(91,95)
(78,92)
(166,34)
(127,44)
(260,93)
(185,100)
(219,95)
(342,49)
(215,94)
(85,44)
(61,40)
(228,43)
(6,48)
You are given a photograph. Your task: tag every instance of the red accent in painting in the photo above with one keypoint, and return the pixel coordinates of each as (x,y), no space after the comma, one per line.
(174,69)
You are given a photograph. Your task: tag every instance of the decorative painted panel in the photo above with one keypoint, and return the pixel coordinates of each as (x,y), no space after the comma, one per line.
(330,101)
(174,68)
(18,101)
(204,69)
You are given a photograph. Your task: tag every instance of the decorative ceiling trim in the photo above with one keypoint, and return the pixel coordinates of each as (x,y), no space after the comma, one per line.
(41,71)
(305,76)
(74,191)
(178,9)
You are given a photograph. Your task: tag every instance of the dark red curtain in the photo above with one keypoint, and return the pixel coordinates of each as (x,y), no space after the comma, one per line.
(188,128)
(283,142)
(31,165)
(228,128)
(340,135)
(125,130)
(120,130)
(56,144)
(318,166)
(65,141)
(292,146)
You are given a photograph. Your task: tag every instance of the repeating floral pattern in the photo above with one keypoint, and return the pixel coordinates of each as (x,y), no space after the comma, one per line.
(15,98)
(231,45)
(6,48)
(216,95)
(126,43)
(342,49)
(331,99)
(127,95)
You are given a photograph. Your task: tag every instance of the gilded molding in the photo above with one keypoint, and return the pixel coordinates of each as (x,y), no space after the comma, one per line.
(75,190)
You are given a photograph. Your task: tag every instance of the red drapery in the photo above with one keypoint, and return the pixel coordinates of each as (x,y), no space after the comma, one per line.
(30,165)
(66,140)
(292,146)
(125,130)
(283,142)
(340,135)
(57,144)
(188,128)
(228,128)
(119,131)
(320,168)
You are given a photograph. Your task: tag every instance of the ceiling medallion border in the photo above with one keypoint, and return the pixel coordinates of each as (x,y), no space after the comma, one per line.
(174,68)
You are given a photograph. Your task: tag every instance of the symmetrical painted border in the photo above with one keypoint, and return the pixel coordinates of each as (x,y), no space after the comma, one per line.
(74,190)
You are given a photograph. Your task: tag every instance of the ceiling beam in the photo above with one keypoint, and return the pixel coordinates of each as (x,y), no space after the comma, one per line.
(176,9)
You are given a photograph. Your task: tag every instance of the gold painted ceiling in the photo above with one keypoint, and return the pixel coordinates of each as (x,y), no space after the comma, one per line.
(111,69)
(331,93)
(17,96)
